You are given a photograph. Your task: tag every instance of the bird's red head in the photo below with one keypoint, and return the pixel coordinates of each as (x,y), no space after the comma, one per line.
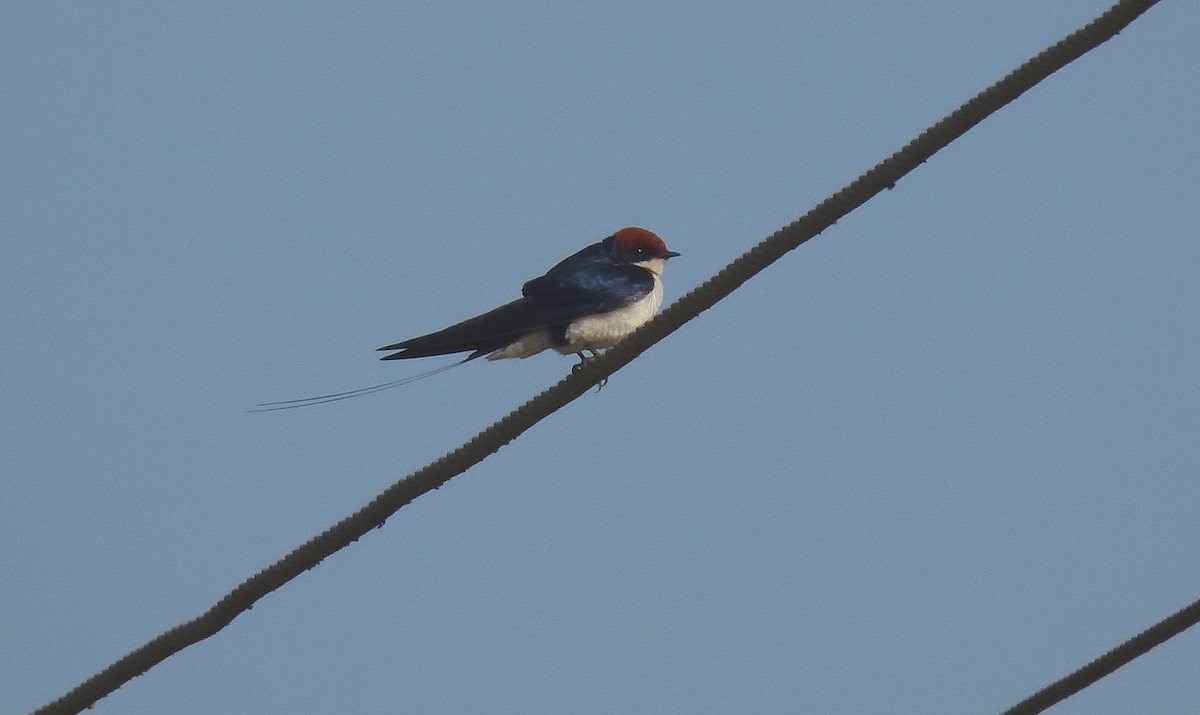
(639,242)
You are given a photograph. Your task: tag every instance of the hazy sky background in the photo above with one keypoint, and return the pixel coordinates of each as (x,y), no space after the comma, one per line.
(934,459)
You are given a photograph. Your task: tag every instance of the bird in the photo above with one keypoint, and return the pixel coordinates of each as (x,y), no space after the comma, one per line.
(587,302)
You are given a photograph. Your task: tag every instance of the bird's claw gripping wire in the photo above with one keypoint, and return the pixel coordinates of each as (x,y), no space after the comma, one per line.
(583,360)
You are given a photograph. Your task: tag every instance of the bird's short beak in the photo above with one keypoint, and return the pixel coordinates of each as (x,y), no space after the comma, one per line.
(671,254)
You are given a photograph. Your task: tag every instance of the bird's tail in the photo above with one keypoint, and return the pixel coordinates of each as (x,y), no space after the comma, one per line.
(338,396)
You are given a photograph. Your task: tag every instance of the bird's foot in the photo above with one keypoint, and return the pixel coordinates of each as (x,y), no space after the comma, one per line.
(583,360)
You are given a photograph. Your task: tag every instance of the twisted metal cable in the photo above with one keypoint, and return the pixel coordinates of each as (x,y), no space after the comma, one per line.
(1107,664)
(882,176)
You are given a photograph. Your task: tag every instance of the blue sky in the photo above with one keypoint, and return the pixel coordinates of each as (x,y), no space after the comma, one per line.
(932,460)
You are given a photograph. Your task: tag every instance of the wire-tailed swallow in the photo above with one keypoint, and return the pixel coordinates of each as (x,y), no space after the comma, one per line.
(588,302)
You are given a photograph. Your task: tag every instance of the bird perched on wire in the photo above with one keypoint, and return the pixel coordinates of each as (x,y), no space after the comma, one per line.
(589,301)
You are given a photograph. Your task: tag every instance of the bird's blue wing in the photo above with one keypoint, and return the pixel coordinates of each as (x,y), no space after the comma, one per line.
(567,295)
(584,283)
(481,334)
(554,300)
